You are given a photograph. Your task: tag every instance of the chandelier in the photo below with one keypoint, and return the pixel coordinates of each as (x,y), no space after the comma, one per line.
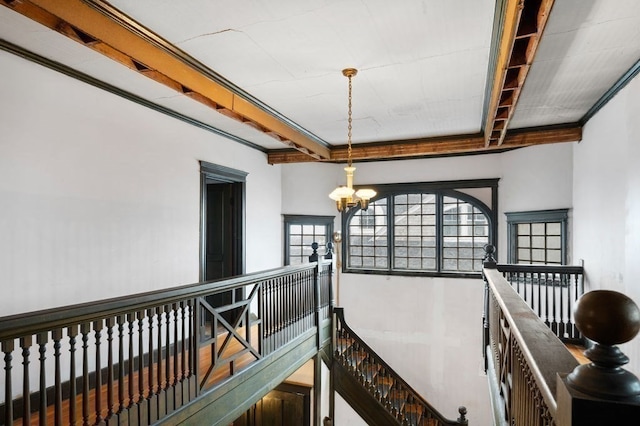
(345,196)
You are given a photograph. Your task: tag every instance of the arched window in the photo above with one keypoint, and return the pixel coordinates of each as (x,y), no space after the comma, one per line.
(429,228)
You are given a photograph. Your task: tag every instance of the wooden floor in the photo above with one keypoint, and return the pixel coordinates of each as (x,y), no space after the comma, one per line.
(577,352)
(234,351)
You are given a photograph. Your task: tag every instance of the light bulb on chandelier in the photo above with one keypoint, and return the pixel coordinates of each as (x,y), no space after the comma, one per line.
(345,196)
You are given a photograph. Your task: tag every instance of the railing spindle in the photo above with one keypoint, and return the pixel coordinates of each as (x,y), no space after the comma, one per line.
(85,329)
(7,349)
(57,336)
(140,394)
(121,396)
(98,325)
(42,340)
(110,324)
(131,318)
(72,332)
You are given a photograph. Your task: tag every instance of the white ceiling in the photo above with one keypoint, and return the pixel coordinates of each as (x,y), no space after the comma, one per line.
(423,64)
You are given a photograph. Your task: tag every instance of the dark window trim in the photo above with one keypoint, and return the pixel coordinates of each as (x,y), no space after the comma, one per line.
(440,188)
(536,216)
(299,219)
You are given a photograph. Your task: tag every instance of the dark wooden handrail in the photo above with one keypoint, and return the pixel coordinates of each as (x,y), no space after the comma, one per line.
(524,357)
(382,381)
(555,269)
(15,326)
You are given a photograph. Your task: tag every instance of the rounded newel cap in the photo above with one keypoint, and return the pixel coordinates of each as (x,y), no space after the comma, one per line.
(607,317)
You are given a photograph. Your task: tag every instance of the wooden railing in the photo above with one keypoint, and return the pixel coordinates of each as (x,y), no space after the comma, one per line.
(535,380)
(551,291)
(136,359)
(523,358)
(388,389)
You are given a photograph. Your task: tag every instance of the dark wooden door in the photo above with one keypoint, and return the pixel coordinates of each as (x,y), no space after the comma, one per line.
(219,246)
(286,405)
(221,239)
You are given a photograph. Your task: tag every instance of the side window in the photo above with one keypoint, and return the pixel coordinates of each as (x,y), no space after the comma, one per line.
(538,237)
(300,232)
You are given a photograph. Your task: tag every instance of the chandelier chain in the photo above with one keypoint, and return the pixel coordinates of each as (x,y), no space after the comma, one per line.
(349,126)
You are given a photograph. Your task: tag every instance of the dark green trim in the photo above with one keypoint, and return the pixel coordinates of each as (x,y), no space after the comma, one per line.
(222,173)
(612,92)
(536,216)
(149,36)
(85,78)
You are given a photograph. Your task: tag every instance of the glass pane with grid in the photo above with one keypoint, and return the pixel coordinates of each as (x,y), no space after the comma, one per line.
(465,231)
(301,236)
(367,244)
(539,243)
(414,232)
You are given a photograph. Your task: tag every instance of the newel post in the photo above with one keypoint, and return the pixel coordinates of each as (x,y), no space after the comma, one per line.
(488,262)
(602,392)
(316,288)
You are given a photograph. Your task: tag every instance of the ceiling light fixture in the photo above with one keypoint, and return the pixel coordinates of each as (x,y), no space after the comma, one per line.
(344,195)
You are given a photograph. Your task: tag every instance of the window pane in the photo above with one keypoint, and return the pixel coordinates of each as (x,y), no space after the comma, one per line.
(537,228)
(554,256)
(554,228)
(537,242)
(524,229)
(524,242)
(368,236)
(554,242)
(537,255)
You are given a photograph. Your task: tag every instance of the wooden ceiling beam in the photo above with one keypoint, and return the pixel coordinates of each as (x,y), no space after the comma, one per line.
(101,28)
(417,148)
(523,23)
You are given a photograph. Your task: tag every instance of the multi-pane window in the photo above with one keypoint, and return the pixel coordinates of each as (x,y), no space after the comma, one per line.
(368,245)
(538,237)
(302,231)
(421,229)
(466,232)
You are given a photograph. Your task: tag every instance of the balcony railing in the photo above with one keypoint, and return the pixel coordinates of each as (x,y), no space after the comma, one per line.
(136,359)
(551,292)
(534,379)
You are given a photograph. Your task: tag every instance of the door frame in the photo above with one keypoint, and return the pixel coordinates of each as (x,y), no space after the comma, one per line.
(221,174)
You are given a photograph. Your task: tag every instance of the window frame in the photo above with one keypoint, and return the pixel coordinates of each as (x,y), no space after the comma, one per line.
(537,216)
(440,189)
(291,219)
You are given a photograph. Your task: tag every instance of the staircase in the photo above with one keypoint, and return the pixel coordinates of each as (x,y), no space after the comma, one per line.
(376,392)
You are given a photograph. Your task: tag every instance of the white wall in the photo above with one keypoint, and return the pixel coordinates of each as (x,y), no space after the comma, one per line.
(606,187)
(100,197)
(429,329)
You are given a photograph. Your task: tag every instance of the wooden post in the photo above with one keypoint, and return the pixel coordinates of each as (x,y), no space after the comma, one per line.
(488,262)
(602,392)
(329,254)
(314,256)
